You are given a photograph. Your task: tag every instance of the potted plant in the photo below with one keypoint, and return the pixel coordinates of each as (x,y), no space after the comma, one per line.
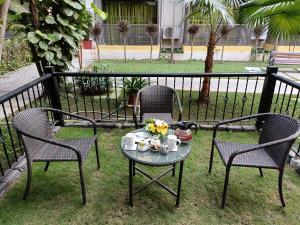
(131,86)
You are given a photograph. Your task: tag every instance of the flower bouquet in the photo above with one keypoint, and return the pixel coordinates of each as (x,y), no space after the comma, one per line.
(157,127)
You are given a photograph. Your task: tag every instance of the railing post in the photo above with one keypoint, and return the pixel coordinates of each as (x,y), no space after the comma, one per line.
(52,89)
(266,98)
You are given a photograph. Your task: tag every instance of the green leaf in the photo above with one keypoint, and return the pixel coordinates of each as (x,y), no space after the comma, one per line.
(50,20)
(41,34)
(68,11)
(76,35)
(49,56)
(33,38)
(43,45)
(69,39)
(73,4)
(54,37)
(57,50)
(99,12)
(62,21)
(76,15)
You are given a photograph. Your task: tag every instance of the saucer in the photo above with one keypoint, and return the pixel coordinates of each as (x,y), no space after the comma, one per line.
(130,148)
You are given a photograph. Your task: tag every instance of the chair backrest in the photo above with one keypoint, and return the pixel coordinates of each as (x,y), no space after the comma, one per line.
(278,127)
(156,99)
(32,122)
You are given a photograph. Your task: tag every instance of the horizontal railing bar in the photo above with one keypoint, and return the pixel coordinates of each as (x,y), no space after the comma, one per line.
(23,88)
(74,74)
(286,81)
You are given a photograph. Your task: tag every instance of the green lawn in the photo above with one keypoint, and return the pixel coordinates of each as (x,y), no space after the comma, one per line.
(161,66)
(55,195)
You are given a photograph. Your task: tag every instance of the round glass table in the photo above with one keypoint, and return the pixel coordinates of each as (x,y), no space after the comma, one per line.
(156,159)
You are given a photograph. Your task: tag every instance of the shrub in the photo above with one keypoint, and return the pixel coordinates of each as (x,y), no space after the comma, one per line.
(95,85)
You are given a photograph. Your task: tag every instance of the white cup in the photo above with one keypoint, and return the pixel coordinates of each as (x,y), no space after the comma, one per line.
(172,141)
(129,139)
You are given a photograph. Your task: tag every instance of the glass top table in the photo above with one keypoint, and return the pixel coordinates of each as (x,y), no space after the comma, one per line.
(151,158)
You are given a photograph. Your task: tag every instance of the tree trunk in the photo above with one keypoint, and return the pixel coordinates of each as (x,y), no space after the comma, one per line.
(98,50)
(172,40)
(209,62)
(192,44)
(125,48)
(3,15)
(223,46)
(151,40)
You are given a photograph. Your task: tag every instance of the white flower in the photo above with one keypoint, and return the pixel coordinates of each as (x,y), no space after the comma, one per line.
(159,123)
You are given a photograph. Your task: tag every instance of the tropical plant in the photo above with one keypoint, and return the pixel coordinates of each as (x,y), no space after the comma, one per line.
(95,85)
(280,17)
(258,30)
(96,34)
(151,30)
(123,29)
(214,13)
(54,31)
(224,33)
(193,30)
(131,86)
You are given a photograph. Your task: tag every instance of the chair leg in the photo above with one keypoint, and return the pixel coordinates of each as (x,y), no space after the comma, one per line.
(28,184)
(225,186)
(47,166)
(97,153)
(261,172)
(280,188)
(211,157)
(82,183)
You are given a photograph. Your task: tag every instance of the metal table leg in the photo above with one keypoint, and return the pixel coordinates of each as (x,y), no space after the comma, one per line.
(179,183)
(130,182)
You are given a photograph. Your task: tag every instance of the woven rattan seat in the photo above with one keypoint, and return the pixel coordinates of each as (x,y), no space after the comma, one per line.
(167,117)
(57,153)
(259,158)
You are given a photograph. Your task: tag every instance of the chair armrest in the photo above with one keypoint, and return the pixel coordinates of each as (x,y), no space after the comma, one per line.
(179,105)
(75,116)
(217,125)
(53,142)
(261,146)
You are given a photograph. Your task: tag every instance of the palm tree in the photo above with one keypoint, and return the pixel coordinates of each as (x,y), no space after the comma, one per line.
(280,17)
(151,30)
(193,30)
(123,29)
(96,33)
(258,30)
(224,32)
(214,14)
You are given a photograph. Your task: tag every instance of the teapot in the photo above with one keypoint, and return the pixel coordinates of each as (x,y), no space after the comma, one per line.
(183,131)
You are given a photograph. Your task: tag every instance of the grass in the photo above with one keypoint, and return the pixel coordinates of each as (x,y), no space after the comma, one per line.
(161,66)
(55,196)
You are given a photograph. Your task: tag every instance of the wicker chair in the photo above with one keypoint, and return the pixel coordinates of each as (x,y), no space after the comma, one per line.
(35,131)
(277,135)
(156,102)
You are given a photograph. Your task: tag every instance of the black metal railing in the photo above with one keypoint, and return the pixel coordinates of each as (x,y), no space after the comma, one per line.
(102,96)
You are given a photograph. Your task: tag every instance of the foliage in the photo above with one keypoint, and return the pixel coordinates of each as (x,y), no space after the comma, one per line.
(123,27)
(132,85)
(95,85)
(16,54)
(193,30)
(281,17)
(99,12)
(61,26)
(151,29)
(96,31)
(156,127)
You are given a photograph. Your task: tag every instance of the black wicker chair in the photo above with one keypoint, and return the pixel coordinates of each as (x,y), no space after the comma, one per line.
(35,131)
(157,102)
(277,135)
